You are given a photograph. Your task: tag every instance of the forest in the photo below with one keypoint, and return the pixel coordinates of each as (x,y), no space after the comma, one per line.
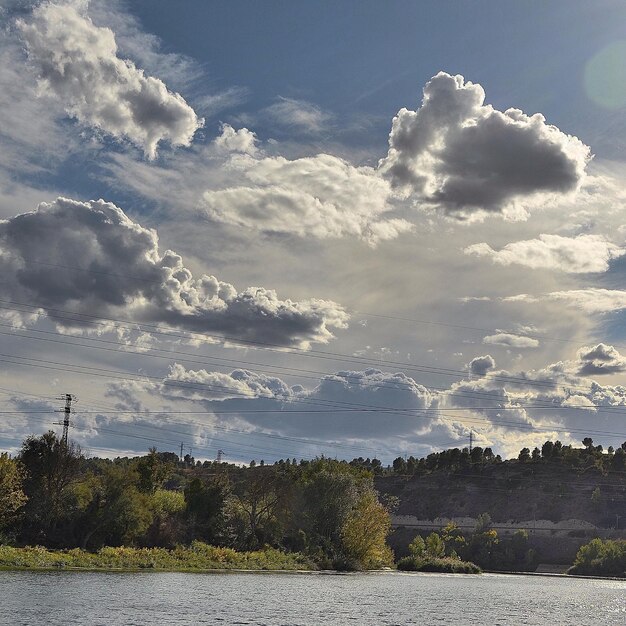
(159,510)
(51,495)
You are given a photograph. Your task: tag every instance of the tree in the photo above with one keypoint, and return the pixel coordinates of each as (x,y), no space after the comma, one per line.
(435,546)
(453,538)
(596,496)
(547,449)
(12,496)
(51,468)
(153,471)
(257,502)
(364,533)
(399,466)
(417,547)
(113,510)
(205,502)
(167,509)
(524,455)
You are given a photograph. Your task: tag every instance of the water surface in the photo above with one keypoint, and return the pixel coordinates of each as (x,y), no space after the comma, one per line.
(86,598)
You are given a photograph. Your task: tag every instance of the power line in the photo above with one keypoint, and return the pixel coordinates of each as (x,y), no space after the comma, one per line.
(319,354)
(352,311)
(101,372)
(399,385)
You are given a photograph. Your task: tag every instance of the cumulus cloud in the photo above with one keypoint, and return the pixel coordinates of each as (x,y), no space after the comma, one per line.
(480,365)
(510,340)
(575,255)
(558,400)
(116,270)
(464,156)
(600,359)
(77,61)
(231,140)
(591,300)
(359,405)
(211,386)
(321,196)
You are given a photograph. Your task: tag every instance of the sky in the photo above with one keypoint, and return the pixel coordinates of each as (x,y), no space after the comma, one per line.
(284,229)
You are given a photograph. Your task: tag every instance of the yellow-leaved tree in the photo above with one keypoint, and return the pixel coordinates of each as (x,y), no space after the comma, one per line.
(365,531)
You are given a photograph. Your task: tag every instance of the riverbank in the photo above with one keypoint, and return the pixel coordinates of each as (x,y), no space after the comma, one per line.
(195,558)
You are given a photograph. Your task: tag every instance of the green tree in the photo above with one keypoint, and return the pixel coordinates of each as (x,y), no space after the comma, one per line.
(454,539)
(113,511)
(167,509)
(12,496)
(435,546)
(596,497)
(205,502)
(256,504)
(51,468)
(601,558)
(152,471)
(417,547)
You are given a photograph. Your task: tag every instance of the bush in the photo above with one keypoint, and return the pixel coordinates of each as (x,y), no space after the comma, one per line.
(446,565)
(198,556)
(601,558)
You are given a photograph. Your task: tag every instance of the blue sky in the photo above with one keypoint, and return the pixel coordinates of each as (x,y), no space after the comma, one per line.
(326,227)
(371,57)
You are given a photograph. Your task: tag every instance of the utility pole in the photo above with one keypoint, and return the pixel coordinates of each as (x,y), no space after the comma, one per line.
(471,440)
(67,411)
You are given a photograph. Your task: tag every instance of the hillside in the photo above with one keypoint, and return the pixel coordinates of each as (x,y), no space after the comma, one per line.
(561,496)
(511,491)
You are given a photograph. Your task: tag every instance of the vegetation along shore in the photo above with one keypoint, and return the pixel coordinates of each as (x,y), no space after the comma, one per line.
(60,509)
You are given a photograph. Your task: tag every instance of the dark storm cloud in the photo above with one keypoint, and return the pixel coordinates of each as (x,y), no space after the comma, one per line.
(465,156)
(91,258)
(480,365)
(600,359)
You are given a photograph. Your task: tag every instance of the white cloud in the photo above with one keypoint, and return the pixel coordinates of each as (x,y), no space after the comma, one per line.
(297,114)
(341,405)
(466,157)
(320,196)
(120,272)
(510,340)
(576,255)
(591,300)
(78,63)
(231,140)
(205,385)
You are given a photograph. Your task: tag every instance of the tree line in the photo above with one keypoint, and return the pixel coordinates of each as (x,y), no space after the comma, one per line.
(456,459)
(53,496)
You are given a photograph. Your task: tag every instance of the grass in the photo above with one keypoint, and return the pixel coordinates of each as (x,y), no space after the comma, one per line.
(446,565)
(198,556)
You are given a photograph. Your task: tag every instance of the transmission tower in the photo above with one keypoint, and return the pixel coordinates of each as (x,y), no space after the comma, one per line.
(471,440)
(67,411)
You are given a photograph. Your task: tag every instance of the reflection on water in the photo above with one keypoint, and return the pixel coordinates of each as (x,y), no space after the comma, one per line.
(66,598)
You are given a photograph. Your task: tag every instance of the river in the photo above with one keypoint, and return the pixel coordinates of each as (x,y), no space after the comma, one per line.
(393,598)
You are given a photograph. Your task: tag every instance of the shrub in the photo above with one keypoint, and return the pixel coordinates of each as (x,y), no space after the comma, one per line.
(447,565)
